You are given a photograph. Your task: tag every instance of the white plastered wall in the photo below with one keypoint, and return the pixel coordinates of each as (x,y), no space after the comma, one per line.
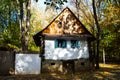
(27,64)
(67,53)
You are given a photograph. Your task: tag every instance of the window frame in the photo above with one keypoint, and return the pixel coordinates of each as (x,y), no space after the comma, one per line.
(75,44)
(60,43)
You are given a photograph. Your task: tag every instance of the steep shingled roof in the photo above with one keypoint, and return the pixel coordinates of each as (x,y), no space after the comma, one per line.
(65,24)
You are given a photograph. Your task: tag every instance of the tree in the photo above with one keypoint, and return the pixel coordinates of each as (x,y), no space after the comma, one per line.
(22,27)
(25,25)
(28,16)
(24,22)
(110,31)
(9,29)
(97,34)
(16,22)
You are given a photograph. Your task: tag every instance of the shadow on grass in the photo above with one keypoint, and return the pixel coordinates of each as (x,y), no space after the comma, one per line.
(106,72)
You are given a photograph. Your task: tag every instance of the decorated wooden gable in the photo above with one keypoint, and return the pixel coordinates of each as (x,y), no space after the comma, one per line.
(65,38)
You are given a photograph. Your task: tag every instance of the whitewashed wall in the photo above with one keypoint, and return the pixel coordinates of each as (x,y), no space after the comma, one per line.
(27,64)
(65,53)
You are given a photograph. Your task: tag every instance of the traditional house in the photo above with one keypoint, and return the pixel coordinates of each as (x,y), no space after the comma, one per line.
(64,40)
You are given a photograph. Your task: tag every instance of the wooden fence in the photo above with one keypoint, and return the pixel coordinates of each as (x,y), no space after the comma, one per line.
(7,60)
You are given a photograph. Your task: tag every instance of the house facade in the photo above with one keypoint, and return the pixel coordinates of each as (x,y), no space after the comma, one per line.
(62,49)
(64,39)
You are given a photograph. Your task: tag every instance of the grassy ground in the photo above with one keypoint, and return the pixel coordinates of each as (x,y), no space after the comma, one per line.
(106,72)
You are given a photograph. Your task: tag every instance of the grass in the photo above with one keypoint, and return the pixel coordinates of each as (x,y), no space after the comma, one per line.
(106,72)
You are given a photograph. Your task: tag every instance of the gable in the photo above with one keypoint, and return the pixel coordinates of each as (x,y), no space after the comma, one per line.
(66,23)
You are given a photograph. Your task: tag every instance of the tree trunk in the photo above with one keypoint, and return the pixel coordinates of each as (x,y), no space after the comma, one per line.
(28,7)
(9,20)
(22,26)
(97,34)
(103,55)
(24,29)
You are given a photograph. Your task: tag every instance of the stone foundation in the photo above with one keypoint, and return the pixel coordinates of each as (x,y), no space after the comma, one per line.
(56,65)
(52,66)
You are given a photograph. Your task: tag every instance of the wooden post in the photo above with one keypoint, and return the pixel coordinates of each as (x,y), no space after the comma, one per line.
(42,50)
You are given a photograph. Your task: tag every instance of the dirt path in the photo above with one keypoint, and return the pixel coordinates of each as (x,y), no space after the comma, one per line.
(106,72)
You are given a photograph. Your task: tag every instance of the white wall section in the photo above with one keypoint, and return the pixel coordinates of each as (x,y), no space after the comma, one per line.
(27,64)
(66,53)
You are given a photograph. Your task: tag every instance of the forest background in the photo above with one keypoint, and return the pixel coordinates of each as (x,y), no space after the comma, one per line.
(21,19)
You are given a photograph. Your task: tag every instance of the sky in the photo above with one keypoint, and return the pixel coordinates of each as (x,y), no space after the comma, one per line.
(42,6)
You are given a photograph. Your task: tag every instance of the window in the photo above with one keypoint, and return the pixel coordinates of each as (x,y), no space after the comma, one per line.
(75,44)
(59,43)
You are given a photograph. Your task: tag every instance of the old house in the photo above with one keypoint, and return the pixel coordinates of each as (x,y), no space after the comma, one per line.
(64,41)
